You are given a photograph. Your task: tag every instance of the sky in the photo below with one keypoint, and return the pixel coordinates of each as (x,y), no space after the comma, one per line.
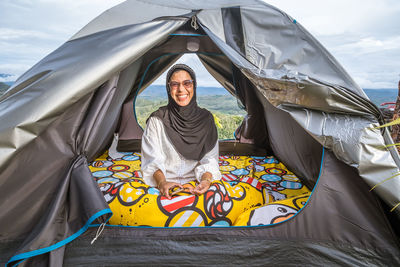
(363,35)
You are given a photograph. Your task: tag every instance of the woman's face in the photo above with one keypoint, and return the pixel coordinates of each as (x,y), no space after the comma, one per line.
(181,87)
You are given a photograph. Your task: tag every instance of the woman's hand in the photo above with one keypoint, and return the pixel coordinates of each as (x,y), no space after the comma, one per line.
(204,184)
(202,187)
(165,186)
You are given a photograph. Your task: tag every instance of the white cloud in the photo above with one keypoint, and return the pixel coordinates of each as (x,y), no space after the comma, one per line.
(370,45)
(367,83)
(10,78)
(31,29)
(373,62)
(8,34)
(363,35)
(58,17)
(332,17)
(13,68)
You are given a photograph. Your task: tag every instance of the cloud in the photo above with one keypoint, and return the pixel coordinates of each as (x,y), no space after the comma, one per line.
(31,29)
(9,34)
(363,35)
(370,45)
(372,62)
(10,78)
(13,68)
(332,17)
(58,17)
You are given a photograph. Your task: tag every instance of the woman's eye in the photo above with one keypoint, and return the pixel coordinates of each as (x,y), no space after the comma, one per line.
(174,84)
(187,83)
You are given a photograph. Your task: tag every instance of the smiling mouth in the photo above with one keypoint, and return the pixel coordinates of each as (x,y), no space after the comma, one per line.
(182,97)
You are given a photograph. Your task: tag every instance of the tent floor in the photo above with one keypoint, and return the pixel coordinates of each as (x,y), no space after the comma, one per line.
(119,246)
(254,190)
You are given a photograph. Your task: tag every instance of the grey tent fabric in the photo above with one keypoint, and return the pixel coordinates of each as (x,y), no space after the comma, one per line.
(64,112)
(284,85)
(58,110)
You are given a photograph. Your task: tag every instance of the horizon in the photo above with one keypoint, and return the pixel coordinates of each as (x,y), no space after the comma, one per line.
(10,83)
(157,92)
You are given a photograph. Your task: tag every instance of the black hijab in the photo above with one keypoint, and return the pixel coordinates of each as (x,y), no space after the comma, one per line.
(190,128)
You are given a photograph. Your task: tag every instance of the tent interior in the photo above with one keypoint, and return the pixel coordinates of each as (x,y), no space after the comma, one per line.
(262,128)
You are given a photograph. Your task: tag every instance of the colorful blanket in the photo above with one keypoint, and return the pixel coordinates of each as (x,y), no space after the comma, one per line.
(253,191)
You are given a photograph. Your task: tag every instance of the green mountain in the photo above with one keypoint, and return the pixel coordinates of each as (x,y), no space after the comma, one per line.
(3,88)
(379,96)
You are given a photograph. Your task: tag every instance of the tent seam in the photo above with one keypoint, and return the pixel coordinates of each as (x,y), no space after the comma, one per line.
(24,256)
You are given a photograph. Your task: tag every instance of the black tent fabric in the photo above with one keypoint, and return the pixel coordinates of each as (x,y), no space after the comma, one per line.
(302,106)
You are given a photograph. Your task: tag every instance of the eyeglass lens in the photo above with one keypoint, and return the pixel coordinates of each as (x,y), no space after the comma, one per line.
(185,83)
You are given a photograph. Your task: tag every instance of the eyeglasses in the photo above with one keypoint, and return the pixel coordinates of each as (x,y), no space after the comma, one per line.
(185,83)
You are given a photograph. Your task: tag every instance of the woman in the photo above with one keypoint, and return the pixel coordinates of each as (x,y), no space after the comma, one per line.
(179,143)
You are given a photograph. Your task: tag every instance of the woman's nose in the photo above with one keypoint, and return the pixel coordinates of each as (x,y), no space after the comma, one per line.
(181,87)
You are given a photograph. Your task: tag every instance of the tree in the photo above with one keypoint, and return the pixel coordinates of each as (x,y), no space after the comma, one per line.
(396,115)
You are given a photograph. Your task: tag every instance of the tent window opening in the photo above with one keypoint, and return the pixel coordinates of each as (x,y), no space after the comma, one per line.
(226,109)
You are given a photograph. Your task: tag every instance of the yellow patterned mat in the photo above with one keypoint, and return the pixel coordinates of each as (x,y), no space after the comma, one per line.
(253,191)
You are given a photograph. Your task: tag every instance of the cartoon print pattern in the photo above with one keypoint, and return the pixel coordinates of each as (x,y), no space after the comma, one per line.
(272,213)
(269,173)
(116,167)
(221,205)
(249,185)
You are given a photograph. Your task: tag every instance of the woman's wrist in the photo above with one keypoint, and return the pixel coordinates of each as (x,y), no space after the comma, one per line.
(208,179)
(160,183)
(159,178)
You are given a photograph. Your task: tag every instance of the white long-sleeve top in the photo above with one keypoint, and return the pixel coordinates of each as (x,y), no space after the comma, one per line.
(158,153)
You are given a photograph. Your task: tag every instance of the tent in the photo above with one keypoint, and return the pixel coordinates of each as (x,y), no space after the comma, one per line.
(301,105)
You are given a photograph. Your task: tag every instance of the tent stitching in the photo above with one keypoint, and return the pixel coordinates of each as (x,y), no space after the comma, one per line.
(29,254)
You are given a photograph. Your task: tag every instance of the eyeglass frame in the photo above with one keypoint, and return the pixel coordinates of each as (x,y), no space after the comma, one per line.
(179,84)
